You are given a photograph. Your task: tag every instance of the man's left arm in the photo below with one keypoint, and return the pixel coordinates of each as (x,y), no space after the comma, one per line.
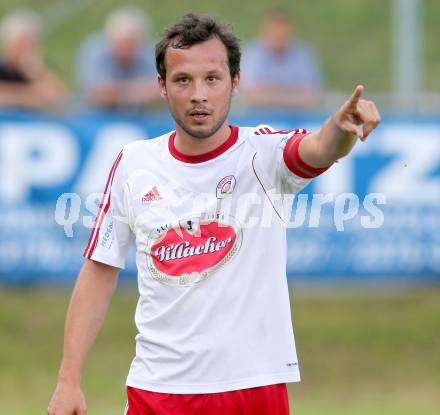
(356,118)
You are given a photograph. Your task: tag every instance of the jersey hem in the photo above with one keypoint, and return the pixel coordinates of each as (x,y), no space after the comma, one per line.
(254,382)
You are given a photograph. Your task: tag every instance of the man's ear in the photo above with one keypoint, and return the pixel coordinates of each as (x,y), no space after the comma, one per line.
(235,84)
(162,87)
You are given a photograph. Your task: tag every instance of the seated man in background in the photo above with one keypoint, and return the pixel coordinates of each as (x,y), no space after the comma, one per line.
(278,69)
(25,80)
(115,70)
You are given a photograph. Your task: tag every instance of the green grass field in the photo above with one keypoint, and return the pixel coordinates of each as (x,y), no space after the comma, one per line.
(352,37)
(361,352)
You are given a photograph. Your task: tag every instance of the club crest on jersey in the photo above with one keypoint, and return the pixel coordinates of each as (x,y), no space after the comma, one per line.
(187,252)
(225,187)
(152,195)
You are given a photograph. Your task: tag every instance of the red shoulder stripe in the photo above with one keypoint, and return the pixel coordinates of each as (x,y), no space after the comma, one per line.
(103,209)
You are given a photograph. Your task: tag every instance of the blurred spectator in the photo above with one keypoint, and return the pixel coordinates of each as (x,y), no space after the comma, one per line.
(25,80)
(116,69)
(278,69)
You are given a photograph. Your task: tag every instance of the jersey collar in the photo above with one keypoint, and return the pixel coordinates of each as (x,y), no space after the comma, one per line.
(200,158)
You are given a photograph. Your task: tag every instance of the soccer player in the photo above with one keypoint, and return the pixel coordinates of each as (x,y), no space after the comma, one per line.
(215,332)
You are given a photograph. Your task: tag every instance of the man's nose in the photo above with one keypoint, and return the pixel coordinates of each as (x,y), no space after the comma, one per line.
(199,92)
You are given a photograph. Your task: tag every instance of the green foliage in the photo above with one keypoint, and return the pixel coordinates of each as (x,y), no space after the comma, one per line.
(360,353)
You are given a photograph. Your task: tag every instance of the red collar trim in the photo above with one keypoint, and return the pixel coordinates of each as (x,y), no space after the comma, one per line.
(200,158)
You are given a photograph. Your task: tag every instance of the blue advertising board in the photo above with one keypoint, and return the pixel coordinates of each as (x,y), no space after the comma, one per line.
(374,214)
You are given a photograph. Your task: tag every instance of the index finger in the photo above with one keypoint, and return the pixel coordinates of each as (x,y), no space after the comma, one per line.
(352,102)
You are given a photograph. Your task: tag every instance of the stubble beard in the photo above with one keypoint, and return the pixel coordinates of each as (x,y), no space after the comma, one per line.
(201,135)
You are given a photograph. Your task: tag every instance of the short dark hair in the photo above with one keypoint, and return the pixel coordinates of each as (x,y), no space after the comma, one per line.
(192,29)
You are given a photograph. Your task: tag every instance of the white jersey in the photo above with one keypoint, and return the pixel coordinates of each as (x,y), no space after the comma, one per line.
(213,313)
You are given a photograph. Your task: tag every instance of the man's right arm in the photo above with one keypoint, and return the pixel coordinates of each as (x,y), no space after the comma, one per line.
(88,306)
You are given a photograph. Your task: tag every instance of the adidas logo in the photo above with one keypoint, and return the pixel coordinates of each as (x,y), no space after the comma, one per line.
(152,196)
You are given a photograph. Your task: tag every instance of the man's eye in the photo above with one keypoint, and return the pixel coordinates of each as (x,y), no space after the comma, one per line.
(183,81)
(212,78)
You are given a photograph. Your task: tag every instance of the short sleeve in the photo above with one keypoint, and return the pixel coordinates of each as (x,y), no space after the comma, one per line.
(111,236)
(279,156)
(293,170)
